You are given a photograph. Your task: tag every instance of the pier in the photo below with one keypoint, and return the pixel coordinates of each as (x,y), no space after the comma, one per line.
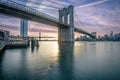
(2,45)
(17,44)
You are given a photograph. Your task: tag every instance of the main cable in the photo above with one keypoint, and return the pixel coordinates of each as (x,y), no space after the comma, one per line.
(57,2)
(37,3)
(43,8)
(80,22)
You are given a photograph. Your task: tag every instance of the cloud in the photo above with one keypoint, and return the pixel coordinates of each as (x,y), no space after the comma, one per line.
(9,23)
(9,27)
(36,30)
(8,19)
(37,27)
(100,18)
(94,3)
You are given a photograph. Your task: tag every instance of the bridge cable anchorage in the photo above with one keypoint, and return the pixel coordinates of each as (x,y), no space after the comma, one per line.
(80,22)
(57,2)
(37,3)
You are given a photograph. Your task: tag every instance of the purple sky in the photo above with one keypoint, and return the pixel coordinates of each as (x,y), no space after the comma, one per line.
(101,16)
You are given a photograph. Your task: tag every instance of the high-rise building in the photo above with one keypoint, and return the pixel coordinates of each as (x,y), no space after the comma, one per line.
(23,28)
(94,34)
(4,35)
(111,34)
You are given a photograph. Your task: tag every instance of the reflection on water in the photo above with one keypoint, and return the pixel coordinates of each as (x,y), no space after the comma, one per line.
(53,61)
(33,48)
(65,61)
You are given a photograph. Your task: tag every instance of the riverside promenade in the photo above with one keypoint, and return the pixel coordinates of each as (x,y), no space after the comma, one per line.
(18,44)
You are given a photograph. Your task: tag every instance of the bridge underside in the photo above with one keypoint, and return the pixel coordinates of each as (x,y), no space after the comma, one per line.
(11,11)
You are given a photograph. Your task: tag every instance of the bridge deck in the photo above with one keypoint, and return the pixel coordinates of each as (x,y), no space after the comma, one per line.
(18,10)
(12,8)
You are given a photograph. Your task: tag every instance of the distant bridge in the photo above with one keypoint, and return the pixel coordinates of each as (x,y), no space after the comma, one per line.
(65,23)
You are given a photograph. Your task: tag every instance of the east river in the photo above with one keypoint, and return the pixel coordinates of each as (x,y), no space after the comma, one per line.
(53,61)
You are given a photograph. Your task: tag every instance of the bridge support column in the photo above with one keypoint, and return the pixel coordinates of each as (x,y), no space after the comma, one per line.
(66,16)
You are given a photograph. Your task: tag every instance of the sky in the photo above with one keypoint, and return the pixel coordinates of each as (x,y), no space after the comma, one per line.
(101,16)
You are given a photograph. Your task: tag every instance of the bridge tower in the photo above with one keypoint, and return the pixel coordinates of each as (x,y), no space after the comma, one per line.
(66,16)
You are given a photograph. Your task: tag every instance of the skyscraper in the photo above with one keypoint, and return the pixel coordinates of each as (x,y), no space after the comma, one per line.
(111,34)
(94,34)
(23,28)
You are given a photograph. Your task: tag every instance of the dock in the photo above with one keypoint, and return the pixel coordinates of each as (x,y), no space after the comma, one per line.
(18,43)
(2,45)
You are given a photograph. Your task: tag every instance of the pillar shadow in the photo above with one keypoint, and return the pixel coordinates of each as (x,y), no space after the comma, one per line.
(66,62)
(32,48)
(37,48)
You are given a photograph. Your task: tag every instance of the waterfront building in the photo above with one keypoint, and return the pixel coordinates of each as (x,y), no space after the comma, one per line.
(111,34)
(94,34)
(106,37)
(23,28)
(4,35)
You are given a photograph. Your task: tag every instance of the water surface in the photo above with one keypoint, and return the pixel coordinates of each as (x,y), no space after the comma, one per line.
(53,61)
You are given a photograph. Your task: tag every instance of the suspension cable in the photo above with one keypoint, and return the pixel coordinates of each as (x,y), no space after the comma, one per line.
(77,23)
(57,2)
(32,2)
(80,22)
(44,8)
